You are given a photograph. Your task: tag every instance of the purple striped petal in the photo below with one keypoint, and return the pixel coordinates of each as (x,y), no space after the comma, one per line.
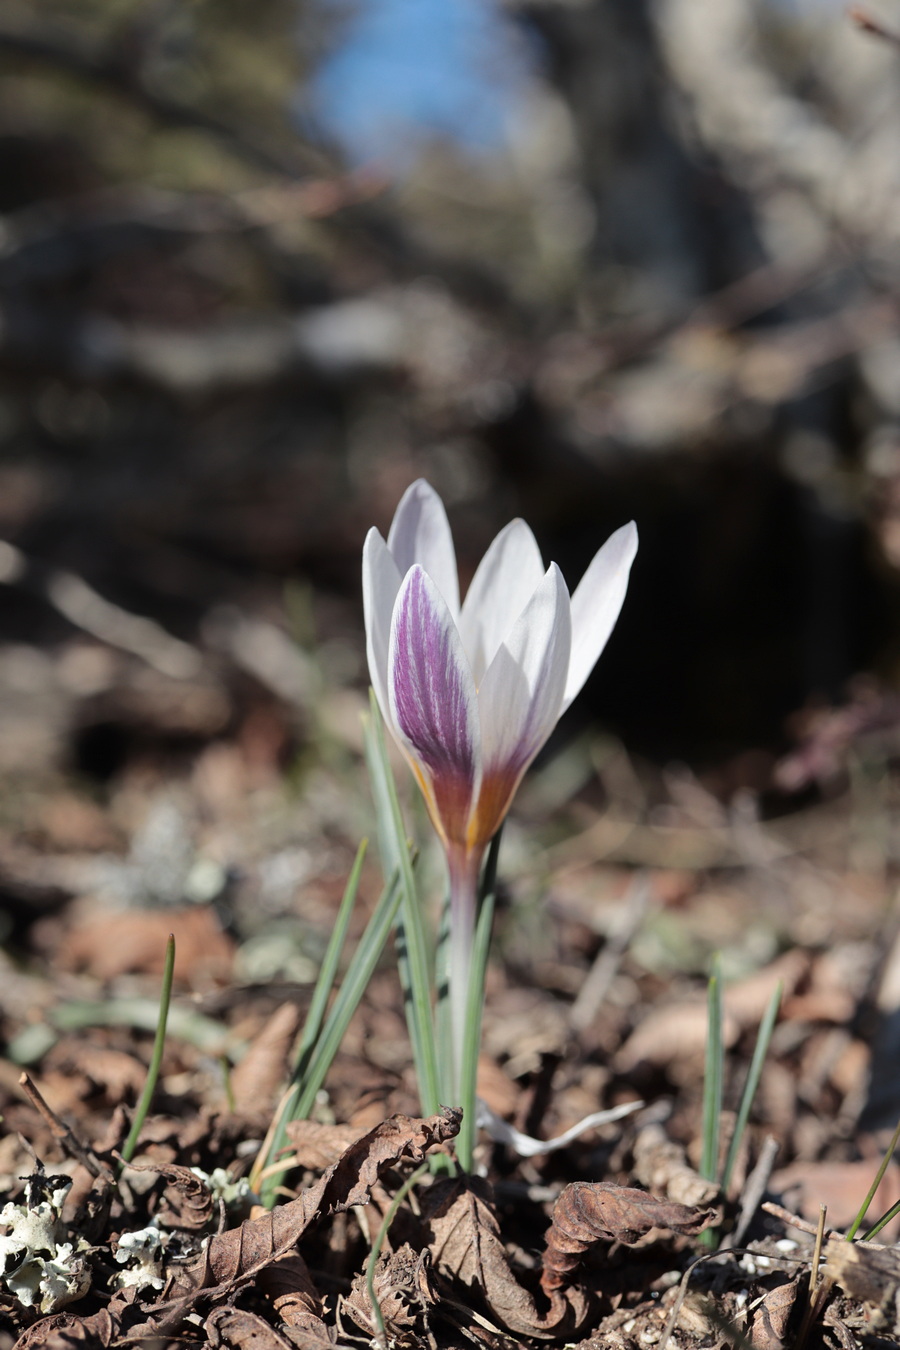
(433,705)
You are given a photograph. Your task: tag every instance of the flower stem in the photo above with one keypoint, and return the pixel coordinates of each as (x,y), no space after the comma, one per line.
(463,908)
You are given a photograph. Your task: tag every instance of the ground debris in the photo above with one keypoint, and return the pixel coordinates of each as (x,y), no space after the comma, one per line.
(590,1212)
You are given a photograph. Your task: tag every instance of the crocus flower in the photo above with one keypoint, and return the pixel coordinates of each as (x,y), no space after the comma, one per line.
(471,692)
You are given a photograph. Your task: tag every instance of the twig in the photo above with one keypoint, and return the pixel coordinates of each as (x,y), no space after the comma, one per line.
(753,1192)
(86,609)
(817,1292)
(870,24)
(62,1133)
(795,1221)
(682,1294)
(602,973)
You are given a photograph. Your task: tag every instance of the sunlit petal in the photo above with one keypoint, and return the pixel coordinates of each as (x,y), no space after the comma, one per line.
(433,705)
(521,696)
(381,581)
(505,580)
(420,533)
(596,604)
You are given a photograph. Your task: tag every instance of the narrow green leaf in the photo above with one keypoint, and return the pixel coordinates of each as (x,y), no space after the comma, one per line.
(761,1049)
(712,1082)
(311,1073)
(882,1223)
(412,949)
(359,973)
(315,1016)
(159,1045)
(328,970)
(889,1153)
(372,1263)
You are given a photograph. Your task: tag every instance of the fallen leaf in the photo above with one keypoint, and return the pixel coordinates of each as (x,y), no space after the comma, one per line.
(229,1256)
(405,1293)
(804,1186)
(134,942)
(288,1285)
(589,1212)
(256,1081)
(62,1330)
(770,1319)
(468,1251)
(236,1329)
(317,1145)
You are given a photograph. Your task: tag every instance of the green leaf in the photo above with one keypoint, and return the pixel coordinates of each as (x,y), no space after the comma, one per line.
(412,947)
(761,1049)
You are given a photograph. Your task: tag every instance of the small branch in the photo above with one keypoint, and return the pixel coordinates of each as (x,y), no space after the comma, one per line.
(753,1192)
(62,1133)
(868,23)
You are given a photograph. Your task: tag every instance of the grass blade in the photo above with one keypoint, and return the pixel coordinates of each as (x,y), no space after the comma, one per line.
(315,1016)
(312,1027)
(412,949)
(359,973)
(311,1072)
(852,1230)
(761,1049)
(712,1082)
(374,1254)
(882,1223)
(159,1043)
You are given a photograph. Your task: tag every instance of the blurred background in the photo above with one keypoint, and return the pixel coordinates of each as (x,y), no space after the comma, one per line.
(263,262)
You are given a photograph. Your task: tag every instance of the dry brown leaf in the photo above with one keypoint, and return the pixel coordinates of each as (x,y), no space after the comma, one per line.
(186,1202)
(107,945)
(468,1251)
(228,1256)
(119,1074)
(841,1186)
(770,1320)
(405,1292)
(256,1081)
(669,1033)
(495,1087)
(317,1146)
(589,1212)
(679,1030)
(235,1329)
(62,1330)
(288,1285)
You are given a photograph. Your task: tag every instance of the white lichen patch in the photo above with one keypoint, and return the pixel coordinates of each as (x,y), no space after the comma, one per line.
(235,1195)
(39,1265)
(142,1250)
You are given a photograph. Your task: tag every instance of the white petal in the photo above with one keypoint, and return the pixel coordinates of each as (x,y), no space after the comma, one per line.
(521,694)
(420,533)
(596,604)
(506,579)
(433,705)
(381,582)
